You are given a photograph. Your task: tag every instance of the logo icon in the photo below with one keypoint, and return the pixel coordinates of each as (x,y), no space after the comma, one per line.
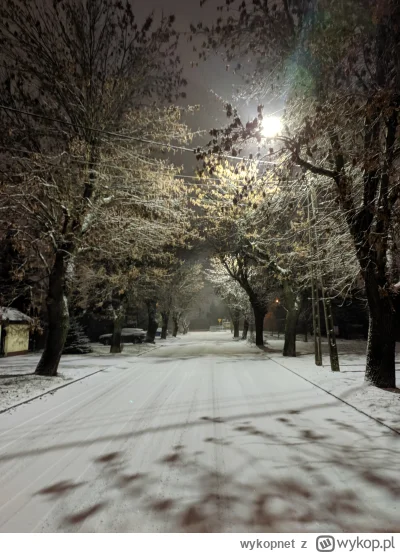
(325,544)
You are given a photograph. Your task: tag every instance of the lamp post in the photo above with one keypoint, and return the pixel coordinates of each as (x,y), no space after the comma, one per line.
(330,328)
(314,296)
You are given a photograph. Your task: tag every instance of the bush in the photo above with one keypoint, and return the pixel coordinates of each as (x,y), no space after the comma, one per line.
(77,341)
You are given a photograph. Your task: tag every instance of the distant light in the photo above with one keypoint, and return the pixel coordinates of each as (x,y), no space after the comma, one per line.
(277,300)
(271,126)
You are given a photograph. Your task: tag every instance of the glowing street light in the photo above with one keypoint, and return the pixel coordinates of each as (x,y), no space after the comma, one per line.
(271,126)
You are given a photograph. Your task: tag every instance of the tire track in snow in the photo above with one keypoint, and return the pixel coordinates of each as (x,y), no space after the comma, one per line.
(38,432)
(93,498)
(19,469)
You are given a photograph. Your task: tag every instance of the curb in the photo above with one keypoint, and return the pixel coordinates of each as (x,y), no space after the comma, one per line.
(52,390)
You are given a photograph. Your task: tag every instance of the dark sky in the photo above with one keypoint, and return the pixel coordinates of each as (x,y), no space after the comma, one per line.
(210,75)
(210,85)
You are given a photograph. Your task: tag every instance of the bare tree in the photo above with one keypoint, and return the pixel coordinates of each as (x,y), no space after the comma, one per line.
(187,283)
(343,96)
(74,76)
(230,291)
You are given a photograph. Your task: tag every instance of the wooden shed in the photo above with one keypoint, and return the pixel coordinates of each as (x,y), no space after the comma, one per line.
(14,331)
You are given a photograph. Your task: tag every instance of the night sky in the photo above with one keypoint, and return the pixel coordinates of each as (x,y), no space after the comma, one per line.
(210,85)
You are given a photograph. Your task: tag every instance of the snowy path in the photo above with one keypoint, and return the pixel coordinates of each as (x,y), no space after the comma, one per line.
(207,434)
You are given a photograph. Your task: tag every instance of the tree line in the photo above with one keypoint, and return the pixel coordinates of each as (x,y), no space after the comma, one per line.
(90,204)
(337,64)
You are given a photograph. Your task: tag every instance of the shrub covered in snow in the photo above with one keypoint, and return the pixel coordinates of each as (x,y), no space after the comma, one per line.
(77,341)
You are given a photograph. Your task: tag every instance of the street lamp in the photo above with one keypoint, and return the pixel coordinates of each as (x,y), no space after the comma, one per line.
(271,126)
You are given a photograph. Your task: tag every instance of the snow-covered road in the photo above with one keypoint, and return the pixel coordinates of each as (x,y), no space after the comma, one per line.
(206,434)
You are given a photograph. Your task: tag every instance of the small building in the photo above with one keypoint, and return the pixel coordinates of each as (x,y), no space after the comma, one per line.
(14,331)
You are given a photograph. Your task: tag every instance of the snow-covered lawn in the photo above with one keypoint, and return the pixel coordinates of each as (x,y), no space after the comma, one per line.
(348,384)
(18,383)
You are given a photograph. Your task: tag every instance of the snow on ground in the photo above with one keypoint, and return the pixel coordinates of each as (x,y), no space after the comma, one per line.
(202,434)
(18,383)
(348,384)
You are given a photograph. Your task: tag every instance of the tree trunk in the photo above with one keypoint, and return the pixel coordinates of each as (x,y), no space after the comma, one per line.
(176,326)
(152,324)
(289,347)
(245,329)
(259,315)
(164,329)
(235,318)
(316,321)
(293,307)
(381,346)
(57,296)
(116,337)
(57,317)
(330,334)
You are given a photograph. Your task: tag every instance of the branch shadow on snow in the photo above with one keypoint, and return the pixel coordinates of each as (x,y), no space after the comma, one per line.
(123,436)
(298,494)
(159,429)
(60,489)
